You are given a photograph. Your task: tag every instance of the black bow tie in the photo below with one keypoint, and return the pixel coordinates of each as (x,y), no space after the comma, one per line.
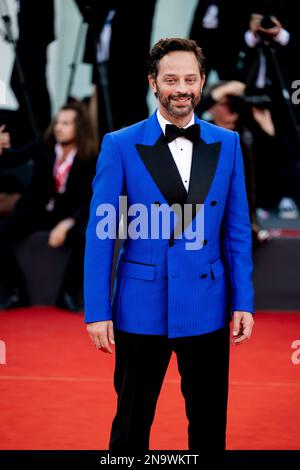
(192,133)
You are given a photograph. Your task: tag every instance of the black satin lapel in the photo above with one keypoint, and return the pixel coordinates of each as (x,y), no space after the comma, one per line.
(204,164)
(161,165)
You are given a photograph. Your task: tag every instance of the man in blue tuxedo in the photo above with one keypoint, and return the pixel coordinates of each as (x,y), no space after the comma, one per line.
(169,296)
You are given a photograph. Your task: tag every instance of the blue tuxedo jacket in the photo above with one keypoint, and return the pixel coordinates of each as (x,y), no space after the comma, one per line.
(161,287)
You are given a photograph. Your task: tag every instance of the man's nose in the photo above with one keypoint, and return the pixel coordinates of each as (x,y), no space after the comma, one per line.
(181,87)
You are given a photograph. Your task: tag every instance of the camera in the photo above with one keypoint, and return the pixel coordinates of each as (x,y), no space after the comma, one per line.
(267,22)
(242,104)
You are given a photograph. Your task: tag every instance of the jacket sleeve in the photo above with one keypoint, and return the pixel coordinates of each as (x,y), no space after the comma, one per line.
(107,187)
(237,237)
(14,157)
(80,213)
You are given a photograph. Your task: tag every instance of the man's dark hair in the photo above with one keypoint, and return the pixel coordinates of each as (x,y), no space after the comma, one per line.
(164,46)
(85,137)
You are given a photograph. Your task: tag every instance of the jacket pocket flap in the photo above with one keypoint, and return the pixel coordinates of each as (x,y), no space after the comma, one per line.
(137,270)
(217,268)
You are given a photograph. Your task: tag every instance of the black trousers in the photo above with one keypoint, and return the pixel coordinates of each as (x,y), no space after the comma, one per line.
(141,364)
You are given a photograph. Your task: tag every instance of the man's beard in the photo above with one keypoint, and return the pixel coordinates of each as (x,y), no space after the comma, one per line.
(170,106)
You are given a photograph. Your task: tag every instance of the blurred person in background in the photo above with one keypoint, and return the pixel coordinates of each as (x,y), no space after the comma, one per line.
(4,139)
(219,25)
(36,32)
(10,187)
(113,24)
(268,179)
(57,200)
(224,103)
(268,68)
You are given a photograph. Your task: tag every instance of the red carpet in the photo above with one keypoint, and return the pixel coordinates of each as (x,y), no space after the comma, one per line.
(57,390)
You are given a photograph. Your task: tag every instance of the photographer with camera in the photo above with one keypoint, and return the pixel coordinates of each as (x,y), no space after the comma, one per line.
(268,69)
(267,27)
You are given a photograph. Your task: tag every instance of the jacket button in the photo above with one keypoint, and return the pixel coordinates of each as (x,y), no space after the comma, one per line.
(213,203)
(203,276)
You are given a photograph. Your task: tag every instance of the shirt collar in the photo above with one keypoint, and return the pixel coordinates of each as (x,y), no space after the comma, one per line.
(59,153)
(163,122)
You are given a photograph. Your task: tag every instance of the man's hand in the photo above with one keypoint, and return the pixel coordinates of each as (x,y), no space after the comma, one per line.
(242,326)
(272,32)
(58,234)
(8,202)
(256,28)
(254,24)
(4,139)
(264,118)
(102,335)
(233,87)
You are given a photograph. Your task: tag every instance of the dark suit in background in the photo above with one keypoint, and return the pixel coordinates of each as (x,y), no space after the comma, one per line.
(36,32)
(221,45)
(129,46)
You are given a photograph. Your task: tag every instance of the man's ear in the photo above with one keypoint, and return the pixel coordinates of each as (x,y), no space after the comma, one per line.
(152,83)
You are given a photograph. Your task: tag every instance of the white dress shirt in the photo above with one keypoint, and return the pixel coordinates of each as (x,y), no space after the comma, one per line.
(181,150)
(103,47)
(211,17)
